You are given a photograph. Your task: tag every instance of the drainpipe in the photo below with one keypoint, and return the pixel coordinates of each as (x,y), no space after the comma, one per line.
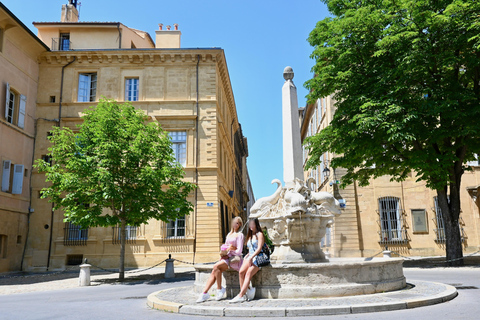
(119,36)
(59,121)
(197,155)
(61,90)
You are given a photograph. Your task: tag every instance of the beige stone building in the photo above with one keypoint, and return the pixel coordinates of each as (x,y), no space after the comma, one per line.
(19,72)
(188,91)
(403,215)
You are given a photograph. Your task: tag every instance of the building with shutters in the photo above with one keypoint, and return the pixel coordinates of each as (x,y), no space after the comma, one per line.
(403,216)
(188,91)
(19,71)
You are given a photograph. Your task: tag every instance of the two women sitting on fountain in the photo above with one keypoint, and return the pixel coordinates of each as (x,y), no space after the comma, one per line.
(230,257)
(251,264)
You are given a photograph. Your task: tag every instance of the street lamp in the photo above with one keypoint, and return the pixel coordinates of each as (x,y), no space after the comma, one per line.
(326,172)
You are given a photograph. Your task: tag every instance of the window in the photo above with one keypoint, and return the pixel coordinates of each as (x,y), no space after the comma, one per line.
(10,106)
(52,99)
(130,234)
(176,228)
(390,220)
(15,105)
(179,145)
(12,177)
(3,246)
(47,158)
(64,41)
(131,89)
(440,224)
(74,235)
(87,87)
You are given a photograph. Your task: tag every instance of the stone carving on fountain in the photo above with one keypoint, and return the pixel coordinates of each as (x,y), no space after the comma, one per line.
(296,219)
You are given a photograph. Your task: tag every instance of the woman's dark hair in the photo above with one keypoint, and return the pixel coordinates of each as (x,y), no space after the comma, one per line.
(257,226)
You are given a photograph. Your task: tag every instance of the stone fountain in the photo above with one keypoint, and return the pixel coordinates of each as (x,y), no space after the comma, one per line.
(296,218)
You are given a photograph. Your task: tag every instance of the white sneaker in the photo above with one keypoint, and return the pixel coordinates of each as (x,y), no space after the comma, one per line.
(220,294)
(238,299)
(251,293)
(203,297)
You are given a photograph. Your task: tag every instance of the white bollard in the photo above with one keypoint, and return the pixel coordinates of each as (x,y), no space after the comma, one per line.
(387,254)
(84,279)
(169,270)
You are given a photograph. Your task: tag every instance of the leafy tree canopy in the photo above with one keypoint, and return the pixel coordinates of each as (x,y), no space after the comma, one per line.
(405,75)
(119,161)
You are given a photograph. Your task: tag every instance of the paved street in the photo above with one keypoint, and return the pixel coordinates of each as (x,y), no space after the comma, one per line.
(128,301)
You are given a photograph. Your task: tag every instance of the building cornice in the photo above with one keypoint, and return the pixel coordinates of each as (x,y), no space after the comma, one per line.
(131,56)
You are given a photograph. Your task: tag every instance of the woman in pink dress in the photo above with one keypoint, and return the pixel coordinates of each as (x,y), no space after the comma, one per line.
(232,260)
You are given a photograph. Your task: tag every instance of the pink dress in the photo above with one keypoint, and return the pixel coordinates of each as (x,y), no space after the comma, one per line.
(238,243)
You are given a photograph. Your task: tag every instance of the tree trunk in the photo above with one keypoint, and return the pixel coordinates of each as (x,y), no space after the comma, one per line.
(121,273)
(450,207)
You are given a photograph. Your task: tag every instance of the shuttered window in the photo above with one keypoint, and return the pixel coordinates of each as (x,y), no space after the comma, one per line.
(6,175)
(17,185)
(21,111)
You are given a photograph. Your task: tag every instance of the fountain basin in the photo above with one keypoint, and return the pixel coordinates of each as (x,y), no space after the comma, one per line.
(337,278)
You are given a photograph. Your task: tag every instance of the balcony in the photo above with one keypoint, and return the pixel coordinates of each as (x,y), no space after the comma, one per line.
(61,44)
(393,236)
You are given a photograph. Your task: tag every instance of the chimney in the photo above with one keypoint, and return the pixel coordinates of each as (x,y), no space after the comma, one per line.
(69,12)
(167,39)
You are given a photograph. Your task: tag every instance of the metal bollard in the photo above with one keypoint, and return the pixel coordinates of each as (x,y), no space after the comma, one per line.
(387,254)
(84,278)
(169,269)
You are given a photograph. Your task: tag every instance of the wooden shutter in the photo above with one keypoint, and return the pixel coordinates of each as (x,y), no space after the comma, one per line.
(7,100)
(21,111)
(6,175)
(17,184)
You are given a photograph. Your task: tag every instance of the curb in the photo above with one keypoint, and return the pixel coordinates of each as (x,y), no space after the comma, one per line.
(153,302)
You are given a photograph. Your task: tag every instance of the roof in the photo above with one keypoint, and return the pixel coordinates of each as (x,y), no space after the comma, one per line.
(33,35)
(140,33)
(76,23)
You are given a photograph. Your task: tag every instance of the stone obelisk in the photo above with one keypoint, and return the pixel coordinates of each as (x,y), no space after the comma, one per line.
(292,146)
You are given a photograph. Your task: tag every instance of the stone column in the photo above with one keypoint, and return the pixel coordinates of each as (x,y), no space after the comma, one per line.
(292,146)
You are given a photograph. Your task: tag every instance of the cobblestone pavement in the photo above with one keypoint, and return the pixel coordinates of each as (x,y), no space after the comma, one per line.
(15,283)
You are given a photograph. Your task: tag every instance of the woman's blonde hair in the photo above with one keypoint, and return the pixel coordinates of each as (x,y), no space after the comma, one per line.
(239,219)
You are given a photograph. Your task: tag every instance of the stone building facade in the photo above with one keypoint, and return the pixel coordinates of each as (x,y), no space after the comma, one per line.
(187,91)
(19,72)
(401,215)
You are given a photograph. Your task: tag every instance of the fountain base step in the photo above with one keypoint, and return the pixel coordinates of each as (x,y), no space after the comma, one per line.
(420,293)
(342,277)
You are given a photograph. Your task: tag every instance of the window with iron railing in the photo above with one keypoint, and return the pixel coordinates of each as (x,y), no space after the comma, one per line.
(131,233)
(391,221)
(62,43)
(440,224)
(175,230)
(74,235)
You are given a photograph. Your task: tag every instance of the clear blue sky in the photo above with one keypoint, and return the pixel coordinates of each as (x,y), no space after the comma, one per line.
(260,39)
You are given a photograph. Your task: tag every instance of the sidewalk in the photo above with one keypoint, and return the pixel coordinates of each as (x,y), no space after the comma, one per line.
(17,282)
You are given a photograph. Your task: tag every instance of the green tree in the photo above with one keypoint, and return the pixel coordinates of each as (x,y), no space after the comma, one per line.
(117,169)
(405,75)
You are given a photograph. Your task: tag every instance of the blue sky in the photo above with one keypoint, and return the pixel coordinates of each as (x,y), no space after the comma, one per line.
(260,39)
